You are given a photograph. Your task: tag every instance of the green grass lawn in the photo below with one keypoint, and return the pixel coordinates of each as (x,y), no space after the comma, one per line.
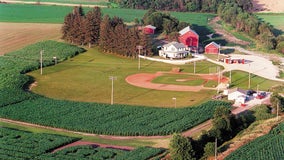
(274,19)
(240,79)
(86,78)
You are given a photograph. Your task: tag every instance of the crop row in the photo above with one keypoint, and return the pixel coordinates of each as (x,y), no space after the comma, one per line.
(270,146)
(89,152)
(26,145)
(109,119)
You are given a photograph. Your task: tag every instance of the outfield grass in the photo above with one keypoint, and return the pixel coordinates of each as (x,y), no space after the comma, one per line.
(92,84)
(274,19)
(240,79)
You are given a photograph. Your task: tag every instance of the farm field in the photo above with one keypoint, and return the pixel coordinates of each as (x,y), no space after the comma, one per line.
(99,118)
(270,146)
(15,36)
(17,144)
(93,69)
(93,2)
(274,19)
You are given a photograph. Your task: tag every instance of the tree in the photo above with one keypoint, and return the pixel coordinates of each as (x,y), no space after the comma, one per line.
(67,27)
(181,148)
(209,149)
(105,28)
(92,25)
(222,122)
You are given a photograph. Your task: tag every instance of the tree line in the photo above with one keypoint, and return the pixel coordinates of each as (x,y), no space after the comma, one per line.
(248,23)
(110,34)
(181,5)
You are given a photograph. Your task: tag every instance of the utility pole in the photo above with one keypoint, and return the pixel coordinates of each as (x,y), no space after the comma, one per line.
(139,47)
(249,81)
(41,52)
(230,76)
(112,78)
(218,69)
(55,60)
(277,110)
(219,51)
(215,148)
(194,67)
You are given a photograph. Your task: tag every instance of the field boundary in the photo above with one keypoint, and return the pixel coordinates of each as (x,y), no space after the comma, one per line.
(53,3)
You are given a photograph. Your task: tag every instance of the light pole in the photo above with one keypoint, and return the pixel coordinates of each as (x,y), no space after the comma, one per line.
(249,77)
(175,101)
(55,60)
(139,47)
(112,78)
(41,52)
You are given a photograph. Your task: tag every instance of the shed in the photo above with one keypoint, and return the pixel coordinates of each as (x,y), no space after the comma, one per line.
(236,93)
(149,29)
(189,37)
(212,48)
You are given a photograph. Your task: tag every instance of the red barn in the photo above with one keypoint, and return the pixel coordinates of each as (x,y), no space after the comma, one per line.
(212,48)
(149,29)
(189,37)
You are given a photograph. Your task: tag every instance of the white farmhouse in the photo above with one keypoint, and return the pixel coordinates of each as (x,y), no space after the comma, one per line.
(174,50)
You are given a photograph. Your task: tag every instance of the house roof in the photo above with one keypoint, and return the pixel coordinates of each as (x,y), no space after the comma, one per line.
(150,26)
(215,44)
(187,29)
(175,44)
(237,90)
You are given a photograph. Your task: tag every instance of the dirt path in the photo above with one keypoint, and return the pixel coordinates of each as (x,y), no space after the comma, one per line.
(83,143)
(228,36)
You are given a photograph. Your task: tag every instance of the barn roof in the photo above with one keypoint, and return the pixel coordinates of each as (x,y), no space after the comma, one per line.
(187,29)
(175,44)
(150,26)
(215,44)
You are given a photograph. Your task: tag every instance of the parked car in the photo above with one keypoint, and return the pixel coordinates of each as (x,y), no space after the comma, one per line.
(250,92)
(261,95)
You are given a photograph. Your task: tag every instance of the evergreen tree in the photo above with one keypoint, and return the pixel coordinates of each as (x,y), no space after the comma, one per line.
(67,27)
(92,24)
(105,29)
